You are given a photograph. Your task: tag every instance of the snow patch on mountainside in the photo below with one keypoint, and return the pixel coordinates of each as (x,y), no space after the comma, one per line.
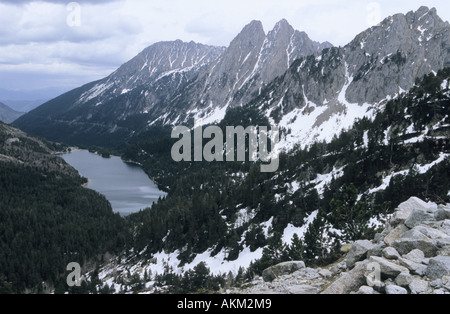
(291,230)
(94,92)
(215,115)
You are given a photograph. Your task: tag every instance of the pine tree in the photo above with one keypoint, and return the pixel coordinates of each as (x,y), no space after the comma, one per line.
(350,215)
(313,241)
(296,249)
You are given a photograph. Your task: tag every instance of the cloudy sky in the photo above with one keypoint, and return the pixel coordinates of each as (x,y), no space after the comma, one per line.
(59,43)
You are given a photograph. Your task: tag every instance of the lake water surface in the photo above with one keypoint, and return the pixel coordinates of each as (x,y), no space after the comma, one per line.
(126,186)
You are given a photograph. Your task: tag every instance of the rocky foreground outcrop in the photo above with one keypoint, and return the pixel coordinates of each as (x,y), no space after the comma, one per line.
(410,256)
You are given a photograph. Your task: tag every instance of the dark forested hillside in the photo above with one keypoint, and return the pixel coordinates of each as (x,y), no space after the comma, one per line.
(47,219)
(367,171)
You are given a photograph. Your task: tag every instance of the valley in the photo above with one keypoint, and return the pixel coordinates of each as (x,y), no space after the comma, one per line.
(363,128)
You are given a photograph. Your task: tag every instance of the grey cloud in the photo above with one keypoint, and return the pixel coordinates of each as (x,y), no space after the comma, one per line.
(20,2)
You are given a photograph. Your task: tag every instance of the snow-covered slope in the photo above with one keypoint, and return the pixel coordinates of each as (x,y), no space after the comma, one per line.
(412,131)
(322,95)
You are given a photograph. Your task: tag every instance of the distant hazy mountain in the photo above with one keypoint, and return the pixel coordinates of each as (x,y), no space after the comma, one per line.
(8,115)
(25,101)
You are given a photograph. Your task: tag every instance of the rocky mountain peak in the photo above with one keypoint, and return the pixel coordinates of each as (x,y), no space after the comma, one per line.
(282,26)
(252,61)
(330,89)
(250,37)
(408,46)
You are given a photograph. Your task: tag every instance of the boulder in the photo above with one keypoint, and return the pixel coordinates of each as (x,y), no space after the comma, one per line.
(419,286)
(395,234)
(444,247)
(438,267)
(393,289)
(391,253)
(377,250)
(349,282)
(366,290)
(446,282)
(418,216)
(325,273)
(416,256)
(404,246)
(405,209)
(358,252)
(387,268)
(271,273)
(442,213)
(442,226)
(415,268)
(338,267)
(429,232)
(404,279)
(302,289)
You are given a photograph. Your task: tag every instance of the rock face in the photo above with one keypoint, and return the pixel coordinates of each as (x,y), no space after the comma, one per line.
(410,256)
(377,65)
(270,274)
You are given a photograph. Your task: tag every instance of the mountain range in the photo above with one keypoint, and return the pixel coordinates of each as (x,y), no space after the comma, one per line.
(313,90)
(168,79)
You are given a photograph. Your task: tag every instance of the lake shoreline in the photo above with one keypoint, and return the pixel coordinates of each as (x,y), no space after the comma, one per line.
(125,184)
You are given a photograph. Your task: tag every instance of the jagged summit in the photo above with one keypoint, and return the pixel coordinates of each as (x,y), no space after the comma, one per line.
(250,63)
(322,95)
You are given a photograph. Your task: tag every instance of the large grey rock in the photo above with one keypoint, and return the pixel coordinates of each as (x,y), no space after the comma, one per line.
(302,289)
(429,232)
(443,246)
(395,234)
(416,256)
(387,268)
(418,216)
(438,267)
(415,268)
(393,289)
(271,273)
(404,279)
(446,282)
(443,226)
(325,273)
(405,209)
(404,246)
(366,290)
(358,252)
(442,213)
(419,286)
(391,253)
(376,250)
(349,282)
(414,234)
